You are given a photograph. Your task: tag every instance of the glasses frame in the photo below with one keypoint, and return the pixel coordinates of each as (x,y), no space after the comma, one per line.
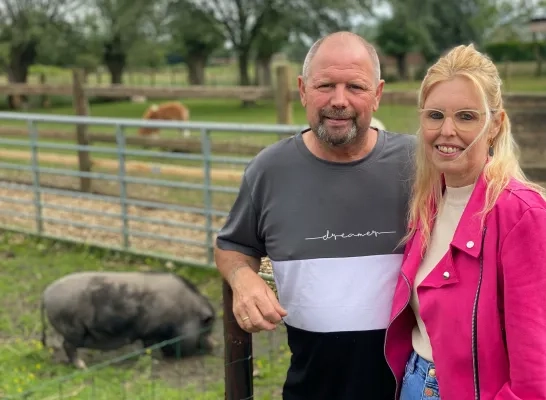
(451,115)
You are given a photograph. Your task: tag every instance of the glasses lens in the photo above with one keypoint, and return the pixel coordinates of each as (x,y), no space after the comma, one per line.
(464,120)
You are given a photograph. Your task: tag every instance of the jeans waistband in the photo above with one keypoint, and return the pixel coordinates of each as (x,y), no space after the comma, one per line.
(417,362)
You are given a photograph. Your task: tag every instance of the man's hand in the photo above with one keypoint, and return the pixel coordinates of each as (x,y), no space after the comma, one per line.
(255,305)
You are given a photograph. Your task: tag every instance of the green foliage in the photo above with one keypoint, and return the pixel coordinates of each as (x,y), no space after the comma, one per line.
(274,35)
(147,53)
(4,54)
(514,51)
(194,34)
(394,37)
(438,25)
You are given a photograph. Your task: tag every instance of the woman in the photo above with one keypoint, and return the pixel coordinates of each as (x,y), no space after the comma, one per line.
(469,312)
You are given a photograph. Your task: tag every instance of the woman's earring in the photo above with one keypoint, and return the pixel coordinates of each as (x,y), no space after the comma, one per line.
(491,151)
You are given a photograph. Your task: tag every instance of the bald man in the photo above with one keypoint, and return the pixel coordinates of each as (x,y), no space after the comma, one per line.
(328,207)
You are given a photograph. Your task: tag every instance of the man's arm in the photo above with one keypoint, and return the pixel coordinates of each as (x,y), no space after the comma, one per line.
(229,262)
(239,249)
(239,244)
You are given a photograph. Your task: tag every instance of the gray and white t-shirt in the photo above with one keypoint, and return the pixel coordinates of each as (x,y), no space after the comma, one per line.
(332,232)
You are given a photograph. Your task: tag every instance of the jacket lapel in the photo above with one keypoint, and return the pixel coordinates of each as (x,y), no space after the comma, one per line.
(467,238)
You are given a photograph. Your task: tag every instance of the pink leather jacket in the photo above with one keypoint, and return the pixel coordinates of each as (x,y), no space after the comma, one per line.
(484,304)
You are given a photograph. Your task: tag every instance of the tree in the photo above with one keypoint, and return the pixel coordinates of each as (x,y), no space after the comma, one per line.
(271,39)
(195,36)
(438,25)
(395,39)
(23,26)
(244,20)
(122,24)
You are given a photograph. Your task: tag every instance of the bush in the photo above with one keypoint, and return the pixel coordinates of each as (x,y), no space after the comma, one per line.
(514,51)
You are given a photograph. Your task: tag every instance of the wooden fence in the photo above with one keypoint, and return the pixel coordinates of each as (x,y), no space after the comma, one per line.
(282,93)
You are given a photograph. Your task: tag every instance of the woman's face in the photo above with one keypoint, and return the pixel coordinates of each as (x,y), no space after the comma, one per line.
(452,118)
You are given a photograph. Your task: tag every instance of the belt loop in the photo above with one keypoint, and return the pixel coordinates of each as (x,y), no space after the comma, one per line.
(412,362)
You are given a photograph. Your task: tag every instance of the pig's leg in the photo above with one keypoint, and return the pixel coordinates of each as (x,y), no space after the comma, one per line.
(72,354)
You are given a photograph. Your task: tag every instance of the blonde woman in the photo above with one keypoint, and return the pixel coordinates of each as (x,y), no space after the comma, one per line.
(468,316)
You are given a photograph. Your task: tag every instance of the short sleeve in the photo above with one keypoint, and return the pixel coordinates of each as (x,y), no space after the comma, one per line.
(240,232)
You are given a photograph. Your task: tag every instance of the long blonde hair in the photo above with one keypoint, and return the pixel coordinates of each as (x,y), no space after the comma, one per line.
(427,189)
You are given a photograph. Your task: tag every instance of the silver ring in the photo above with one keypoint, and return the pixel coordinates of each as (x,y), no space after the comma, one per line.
(245,318)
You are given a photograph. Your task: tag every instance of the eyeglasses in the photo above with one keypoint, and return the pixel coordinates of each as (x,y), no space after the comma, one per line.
(464,120)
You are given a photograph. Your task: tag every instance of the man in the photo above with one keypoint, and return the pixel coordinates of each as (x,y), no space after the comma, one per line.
(328,207)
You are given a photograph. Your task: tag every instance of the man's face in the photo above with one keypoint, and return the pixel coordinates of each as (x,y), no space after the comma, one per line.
(340,94)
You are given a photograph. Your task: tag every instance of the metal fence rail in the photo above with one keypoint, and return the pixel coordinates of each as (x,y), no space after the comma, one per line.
(33,207)
(207,187)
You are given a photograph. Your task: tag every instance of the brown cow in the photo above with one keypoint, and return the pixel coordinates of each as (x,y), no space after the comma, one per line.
(169,111)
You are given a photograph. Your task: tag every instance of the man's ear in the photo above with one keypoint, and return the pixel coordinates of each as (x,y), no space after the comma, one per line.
(378,94)
(301,87)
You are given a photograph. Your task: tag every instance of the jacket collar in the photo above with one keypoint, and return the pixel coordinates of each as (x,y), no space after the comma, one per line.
(468,235)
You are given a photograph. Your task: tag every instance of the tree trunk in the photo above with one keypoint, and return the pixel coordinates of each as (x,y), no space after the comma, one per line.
(196,69)
(263,71)
(116,72)
(402,66)
(244,78)
(20,60)
(116,69)
(115,59)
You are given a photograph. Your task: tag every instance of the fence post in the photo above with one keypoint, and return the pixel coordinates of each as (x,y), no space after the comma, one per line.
(283,95)
(36,176)
(120,138)
(81,108)
(207,193)
(238,367)
(44,99)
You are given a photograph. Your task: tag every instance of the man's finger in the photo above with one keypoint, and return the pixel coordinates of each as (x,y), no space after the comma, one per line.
(268,311)
(257,318)
(276,305)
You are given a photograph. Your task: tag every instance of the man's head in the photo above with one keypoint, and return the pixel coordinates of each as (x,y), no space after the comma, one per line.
(340,87)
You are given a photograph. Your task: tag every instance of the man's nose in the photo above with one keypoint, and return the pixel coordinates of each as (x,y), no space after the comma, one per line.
(339,97)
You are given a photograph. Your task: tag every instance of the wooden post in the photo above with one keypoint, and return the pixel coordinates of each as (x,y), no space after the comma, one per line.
(44,100)
(283,95)
(238,367)
(81,107)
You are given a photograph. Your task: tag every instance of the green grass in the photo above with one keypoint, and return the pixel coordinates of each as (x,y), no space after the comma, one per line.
(529,84)
(517,77)
(396,117)
(29,264)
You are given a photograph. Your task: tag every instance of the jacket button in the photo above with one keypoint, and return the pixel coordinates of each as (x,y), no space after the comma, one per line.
(470,244)
(446,275)
(432,372)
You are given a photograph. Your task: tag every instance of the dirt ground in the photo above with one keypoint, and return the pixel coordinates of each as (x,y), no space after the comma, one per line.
(88,233)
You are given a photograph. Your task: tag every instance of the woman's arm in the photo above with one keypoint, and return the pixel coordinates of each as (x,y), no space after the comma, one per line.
(523,262)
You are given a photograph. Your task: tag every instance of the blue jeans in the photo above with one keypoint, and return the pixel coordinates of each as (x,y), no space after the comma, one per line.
(419,381)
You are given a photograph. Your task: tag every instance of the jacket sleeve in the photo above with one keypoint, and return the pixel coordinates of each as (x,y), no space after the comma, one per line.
(523,262)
